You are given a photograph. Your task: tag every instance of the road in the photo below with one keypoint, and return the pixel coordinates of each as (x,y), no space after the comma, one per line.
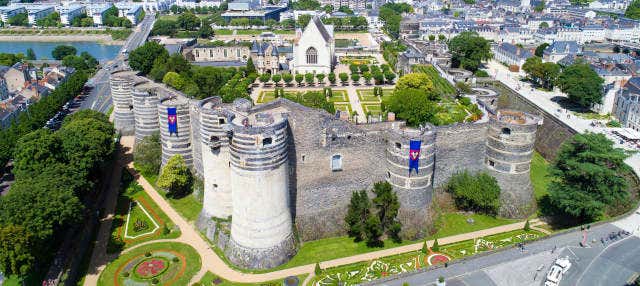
(100,96)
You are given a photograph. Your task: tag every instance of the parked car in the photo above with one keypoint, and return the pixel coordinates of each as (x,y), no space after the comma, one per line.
(564,263)
(555,274)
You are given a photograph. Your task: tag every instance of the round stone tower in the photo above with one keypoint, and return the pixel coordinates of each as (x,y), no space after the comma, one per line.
(261,226)
(510,142)
(178,142)
(215,132)
(411,181)
(121,83)
(145,109)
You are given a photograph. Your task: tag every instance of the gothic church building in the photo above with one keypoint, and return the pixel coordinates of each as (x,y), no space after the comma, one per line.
(314,48)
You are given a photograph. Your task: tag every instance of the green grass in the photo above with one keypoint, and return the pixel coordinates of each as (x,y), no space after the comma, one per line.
(137,214)
(539,174)
(209,277)
(249,32)
(499,240)
(12,281)
(188,207)
(592,115)
(223,32)
(131,191)
(192,257)
(339,96)
(456,223)
(374,109)
(439,82)
(343,107)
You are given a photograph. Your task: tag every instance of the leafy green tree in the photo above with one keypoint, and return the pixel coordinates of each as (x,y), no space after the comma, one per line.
(148,154)
(367,77)
(35,152)
(633,10)
(7,59)
(309,78)
(308,5)
(413,105)
(303,20)
(478,192)
(387,206)
(276,78)
(331,77)
(468,50)
(87,142)
(588,176)
(61,51)
(51,20)
(328,9)
(175,178)
(581,84)
(355,78)
(389,76)
(425,248)
(358,214)
(251,68)
(265,77)
(31,55)
(540,6)
(320,78)
(299,78)
(287,77)
(20,19)
(390,13)
(419,80)
(164,27)
(317,269)
(205,31)
(188,21)
(527,226)
(174,80)
(540,49)
(343,77)
(143,57)
(15,250)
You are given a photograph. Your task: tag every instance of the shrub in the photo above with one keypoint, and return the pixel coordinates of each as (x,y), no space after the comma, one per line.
(175,259)
(425,248)
(405,284)
(527,227)
(435,246)
(147,254)
(166,229)
(481,73)
(440,279)
(318,270)
(155,281)
(125,274)
(478,192)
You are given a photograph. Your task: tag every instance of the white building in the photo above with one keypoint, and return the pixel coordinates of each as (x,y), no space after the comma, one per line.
(129,10)
(70,12)
(192,4)
(37,12)
(10,11)
(97,12)
(314,48)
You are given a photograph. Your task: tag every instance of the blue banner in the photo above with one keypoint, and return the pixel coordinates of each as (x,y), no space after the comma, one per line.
(414,155)
(172,119)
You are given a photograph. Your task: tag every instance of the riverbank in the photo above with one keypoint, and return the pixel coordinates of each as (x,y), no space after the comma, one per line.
(101,39)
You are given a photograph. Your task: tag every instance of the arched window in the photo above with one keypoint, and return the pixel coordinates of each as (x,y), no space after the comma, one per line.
(312,56)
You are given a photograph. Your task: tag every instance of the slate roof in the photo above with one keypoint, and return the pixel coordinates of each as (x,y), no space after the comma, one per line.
(563,47)
(323,31)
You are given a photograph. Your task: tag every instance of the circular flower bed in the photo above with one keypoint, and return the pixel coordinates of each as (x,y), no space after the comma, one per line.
(151,267)
(437,258)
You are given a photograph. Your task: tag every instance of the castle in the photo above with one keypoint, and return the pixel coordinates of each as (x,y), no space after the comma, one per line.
(281,172)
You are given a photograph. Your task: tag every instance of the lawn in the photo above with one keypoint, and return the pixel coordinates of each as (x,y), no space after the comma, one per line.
(343,107)
(132,192)
(539,174)
(374,109)
(209,278)
(178,273)
(338,96)
(456,223)
(139,221)
(439,82)
(249,32)
(223,32)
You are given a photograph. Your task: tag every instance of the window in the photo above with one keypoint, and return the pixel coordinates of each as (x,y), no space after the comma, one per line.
(388,175)
(303,157)
(312,55)
(267,141)
(492,164)
(336,163)
(506,131)
(225,53)
(398,145)
(220,120)
(197,54)
(211,53)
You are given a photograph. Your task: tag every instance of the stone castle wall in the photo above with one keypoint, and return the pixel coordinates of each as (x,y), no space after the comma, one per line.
(459,147)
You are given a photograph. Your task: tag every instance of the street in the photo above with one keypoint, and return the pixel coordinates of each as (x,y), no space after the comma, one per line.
(99,97)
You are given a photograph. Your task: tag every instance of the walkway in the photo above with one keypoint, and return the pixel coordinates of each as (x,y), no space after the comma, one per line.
(213,263)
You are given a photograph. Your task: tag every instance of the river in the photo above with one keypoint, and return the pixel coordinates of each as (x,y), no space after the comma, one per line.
(43,49)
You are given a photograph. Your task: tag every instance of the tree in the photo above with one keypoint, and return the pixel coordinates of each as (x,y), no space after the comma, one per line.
(309,5)
(588,176)
(540,6)
(387,206)
(164,27)
(61,51)
(413,106)
(343,77)
(148,154)
(358,214)
(527,226)
(425,248)
(332,77)
(175,177)
(418,80)
(87,141)
(320,78)
(317,271)
(389,76)
(633,10)
(251,68)
(20,19)
(367,77)
(31,55)
(205,31)
(432,38)
(441,38)
(346,10)
(478,192)
(581,84)
(303,20)
(540,49)
(435,246)
(328,8)
(355,78)
(35,152)
(15,250)
(299,78)
(309,78)
(276,78)
(143,57)
(265,77)
(468,50)
(373,231)
(188,21)
(287,77)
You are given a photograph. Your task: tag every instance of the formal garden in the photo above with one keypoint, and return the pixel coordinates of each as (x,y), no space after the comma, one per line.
(166,263)
(210,279)
(363,272)
(137,218)
(327,99)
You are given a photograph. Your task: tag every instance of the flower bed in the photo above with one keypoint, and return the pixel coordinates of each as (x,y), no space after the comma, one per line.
(150,268)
